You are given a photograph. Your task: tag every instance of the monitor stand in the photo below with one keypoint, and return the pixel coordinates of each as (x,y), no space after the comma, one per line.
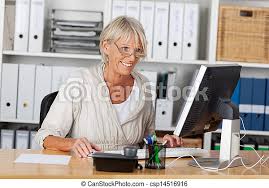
(229,148)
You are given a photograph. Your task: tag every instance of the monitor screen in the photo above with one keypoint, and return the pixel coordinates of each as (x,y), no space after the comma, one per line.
(208,101)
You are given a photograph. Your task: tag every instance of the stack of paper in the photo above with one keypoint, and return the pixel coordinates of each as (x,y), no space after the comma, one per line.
(76,31)
(43,159)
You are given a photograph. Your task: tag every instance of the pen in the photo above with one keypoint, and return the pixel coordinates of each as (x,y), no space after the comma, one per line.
(145,140)
(149,140)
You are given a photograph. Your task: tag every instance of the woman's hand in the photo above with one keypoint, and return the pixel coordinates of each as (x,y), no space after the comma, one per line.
(173,140)
(82,147)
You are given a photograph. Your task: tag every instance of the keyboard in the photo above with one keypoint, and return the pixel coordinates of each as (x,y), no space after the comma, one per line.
(170,152)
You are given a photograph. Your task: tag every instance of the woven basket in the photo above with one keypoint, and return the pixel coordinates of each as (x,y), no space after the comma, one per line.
(243,34)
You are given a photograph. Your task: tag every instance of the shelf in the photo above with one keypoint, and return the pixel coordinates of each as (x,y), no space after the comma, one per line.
(52,55)
(250,65)
(249,132)
(199,62)
(19,121)
(94,57)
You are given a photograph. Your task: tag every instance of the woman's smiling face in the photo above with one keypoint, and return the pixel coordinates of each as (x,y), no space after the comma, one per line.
(123,54)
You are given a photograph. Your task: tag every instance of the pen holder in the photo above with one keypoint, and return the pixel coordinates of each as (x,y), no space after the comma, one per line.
(155,156)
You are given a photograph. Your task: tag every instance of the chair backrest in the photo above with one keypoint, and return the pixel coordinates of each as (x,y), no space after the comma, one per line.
(45,106)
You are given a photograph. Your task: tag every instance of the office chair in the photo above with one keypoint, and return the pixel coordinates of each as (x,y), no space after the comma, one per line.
(45,106)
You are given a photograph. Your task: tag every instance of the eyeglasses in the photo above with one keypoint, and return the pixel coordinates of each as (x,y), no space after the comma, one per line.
(127,51)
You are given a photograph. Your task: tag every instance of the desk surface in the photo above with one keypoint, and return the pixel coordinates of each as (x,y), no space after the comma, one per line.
(83,168)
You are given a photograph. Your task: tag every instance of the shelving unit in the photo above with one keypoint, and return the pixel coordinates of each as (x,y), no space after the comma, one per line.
(246,65)
(207,47)
(91,57)
(53,55)
(18,121)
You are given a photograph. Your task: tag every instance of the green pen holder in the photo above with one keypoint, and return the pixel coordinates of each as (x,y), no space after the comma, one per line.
(155,156)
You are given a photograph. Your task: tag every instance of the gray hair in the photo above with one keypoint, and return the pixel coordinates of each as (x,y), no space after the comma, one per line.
(123,27)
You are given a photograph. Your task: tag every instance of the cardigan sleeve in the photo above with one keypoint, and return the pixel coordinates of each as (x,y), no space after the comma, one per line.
(61,116)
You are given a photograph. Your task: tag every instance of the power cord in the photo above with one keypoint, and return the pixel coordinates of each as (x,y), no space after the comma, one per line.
(216,169)
(261,160)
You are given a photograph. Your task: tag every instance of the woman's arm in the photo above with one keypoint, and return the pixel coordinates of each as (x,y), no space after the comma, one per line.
(172,140)
(58,143)
(80,146)
(58,121)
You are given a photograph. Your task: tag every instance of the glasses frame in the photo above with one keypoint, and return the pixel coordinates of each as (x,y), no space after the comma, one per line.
(127,54)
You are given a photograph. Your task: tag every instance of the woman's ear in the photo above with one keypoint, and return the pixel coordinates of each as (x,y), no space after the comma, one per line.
(105,47)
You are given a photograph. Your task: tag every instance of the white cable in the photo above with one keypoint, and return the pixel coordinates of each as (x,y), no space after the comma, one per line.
(217,169)
(253,150)
(243,128)
(264,160)
(261,158)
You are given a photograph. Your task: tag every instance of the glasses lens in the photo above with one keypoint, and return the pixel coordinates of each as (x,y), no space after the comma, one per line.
(127,51)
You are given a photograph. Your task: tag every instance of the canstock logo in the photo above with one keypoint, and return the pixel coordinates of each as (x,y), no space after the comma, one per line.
(74,90)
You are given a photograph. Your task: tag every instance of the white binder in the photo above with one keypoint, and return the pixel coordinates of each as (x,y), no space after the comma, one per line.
(171,91)
(59,75)
(37,20)
(26,92)
(22,139)
(152,77)
(147,20)
(9,91)
(9,26)
(42,87)
(160,30)
(164,114)
(191,32)
(33,144)
(132,9)
(175,31)
(7,139)
(118,8)
(21,34)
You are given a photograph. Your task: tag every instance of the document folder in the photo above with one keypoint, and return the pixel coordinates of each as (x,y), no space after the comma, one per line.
(266,123)
(21,34)
(22,139)
(37,20)
(7,139)
(118,8)
(258,104)
(164,114)
(160,39)
(42,87)
(245,106)
(9,91)
(175,31)
(191,32)
(133,9)
(147,20)
(26,90)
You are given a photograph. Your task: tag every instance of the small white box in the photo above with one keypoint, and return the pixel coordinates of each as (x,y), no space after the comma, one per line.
(22,139)
(164,115)
(7,139)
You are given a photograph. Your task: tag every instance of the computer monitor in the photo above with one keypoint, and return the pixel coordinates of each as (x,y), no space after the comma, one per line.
(207,105)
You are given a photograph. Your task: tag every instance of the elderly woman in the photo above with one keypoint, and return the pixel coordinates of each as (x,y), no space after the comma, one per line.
(116,110)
